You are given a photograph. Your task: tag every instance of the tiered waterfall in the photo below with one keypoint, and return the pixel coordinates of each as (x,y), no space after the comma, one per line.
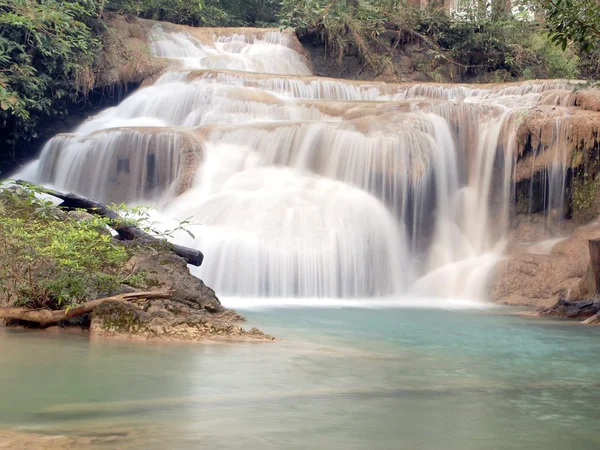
(307,187)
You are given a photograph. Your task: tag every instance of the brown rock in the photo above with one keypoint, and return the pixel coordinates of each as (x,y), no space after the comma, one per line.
(164,270)
(420,77)
(127,57)
(192,313)
(594,320)
(541,279)
(405,64)
(530,280)
(128,320)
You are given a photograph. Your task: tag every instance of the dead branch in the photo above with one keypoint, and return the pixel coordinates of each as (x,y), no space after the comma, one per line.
(125,230)
(47,317)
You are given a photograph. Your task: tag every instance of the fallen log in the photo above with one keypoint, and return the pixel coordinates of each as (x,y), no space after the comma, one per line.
(594,248)
(47,317)
(125,230)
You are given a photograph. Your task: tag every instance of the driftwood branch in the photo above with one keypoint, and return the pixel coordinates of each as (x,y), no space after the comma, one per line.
(125,230)
(47,317)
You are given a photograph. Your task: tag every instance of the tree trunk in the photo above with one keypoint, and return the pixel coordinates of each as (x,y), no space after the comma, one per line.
(47,317)
(501,10)
(594,247)
(125,231)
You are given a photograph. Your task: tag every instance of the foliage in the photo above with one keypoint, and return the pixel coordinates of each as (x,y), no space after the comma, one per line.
(200,12)
(184,12)
(52,259)
(519,48)
(47,49)
(574,20)
(143,217)
(476,42)
(50,50)
(584,193)
(344,26)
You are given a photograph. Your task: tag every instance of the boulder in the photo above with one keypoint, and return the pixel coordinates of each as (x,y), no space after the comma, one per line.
(539,279)
(163,270)
(192,313)
(531,280)
(159,323)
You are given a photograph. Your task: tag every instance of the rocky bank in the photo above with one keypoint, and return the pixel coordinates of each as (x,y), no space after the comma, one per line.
(185,309)
(192,313)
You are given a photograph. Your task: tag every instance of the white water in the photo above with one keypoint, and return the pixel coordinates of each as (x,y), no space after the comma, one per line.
(306,187)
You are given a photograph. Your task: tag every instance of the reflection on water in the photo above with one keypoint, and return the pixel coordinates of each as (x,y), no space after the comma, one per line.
(337,379)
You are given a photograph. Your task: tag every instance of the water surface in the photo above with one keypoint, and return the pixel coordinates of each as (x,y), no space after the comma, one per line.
(338,378)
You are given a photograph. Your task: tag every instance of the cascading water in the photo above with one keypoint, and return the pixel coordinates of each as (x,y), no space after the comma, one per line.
(307,187)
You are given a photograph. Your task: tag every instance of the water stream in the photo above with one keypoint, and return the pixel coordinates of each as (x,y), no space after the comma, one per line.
(349,378)
(305,187)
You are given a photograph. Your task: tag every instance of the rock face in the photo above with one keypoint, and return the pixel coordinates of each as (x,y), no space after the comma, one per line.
(588,309)
(127,57)
(558,138)
(166,320)
(167,271)
(193,312)
(549,135)
(534,277)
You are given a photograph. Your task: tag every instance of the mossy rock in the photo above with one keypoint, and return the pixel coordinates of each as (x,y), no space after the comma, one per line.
(121,318)
(164,270)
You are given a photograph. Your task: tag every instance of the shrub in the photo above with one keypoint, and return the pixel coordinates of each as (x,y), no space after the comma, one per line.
(478,45)
(52,259)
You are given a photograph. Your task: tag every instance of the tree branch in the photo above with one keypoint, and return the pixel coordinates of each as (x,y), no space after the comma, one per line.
(47,317)
(126,230)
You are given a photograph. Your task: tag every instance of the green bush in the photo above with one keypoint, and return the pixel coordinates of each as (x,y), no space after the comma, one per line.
(47,50)
(51,259)
(479,45)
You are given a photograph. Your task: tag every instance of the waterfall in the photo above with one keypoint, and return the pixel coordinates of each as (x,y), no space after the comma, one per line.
(304,186)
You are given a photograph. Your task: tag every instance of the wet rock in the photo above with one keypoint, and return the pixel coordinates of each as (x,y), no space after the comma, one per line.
(193,312)
(540,279)
(164,270)
(130,320)
(121,318)
(530,280)
(127,57)
(594,320)
(573,310)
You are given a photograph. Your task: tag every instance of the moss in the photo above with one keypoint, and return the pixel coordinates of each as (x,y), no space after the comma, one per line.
(578,158)
(121,318)
(585,193)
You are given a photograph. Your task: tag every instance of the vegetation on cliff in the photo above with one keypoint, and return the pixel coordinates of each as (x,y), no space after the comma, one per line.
(480,44)
(52,53)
